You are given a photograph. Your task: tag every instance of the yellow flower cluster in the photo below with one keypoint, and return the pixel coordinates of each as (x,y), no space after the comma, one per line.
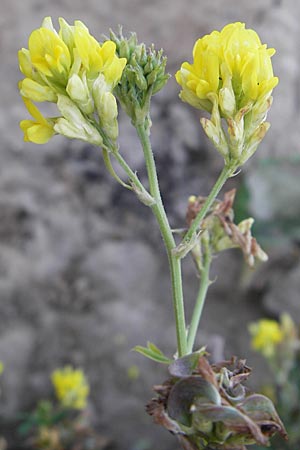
(266,335)
(70,68)
(235,56)
(71,387)
(231,77)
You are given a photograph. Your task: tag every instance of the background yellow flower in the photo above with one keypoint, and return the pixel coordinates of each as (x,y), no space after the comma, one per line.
(71,387)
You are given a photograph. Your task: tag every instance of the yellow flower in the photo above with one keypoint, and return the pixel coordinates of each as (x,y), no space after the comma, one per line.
(39,130)
(96,58)
(49,54)
(68,64)
(232,78)
(71,387)
(266,335)
(234,55)
(55,57)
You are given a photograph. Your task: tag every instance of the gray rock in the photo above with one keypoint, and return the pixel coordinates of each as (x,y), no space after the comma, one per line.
(83,275)
(283,294)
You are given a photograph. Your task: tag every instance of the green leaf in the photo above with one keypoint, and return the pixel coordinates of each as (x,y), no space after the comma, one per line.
(185,393)
(261,409)
(183,367)
(152,352)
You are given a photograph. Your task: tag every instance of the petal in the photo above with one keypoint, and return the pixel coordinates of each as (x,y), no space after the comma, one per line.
(36,92)
(36,133)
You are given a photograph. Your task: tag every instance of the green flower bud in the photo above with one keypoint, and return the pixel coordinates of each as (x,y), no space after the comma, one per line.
(143,76)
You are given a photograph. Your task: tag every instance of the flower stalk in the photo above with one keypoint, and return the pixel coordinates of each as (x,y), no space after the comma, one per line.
(226,173)
(166,232)
(200,301)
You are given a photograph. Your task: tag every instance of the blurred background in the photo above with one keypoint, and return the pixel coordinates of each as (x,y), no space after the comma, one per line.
(83,274)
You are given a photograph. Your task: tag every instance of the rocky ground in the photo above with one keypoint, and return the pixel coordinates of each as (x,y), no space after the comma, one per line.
(83,275)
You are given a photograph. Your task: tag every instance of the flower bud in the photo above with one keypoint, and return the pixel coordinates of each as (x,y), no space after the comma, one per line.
(213,128)
(78,91)
(143,76)
(227,100)
(216,135)
(106,106)
(73,124)
(37,92)
(254,141)
(236,135)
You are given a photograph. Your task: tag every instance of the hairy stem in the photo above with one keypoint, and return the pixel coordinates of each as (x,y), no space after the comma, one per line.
(204,285)
(174,263)
(227,171)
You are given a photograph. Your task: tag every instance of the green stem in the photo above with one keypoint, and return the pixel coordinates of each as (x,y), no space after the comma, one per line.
(111,170)
(131,175)
(160,214)
(227,171)
(111,149)
(196,316)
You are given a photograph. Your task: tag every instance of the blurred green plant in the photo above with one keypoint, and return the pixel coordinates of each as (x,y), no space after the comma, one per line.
(279,343)
(62,424)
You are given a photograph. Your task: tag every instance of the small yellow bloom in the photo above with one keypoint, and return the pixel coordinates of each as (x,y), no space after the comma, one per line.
(266,335)
(1,367)
(49,54)
(39,130)
(96,58)
(71,387)
(236,55)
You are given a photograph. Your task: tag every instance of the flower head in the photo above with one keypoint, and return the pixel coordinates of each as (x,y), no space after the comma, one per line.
(69,63)
(236,55)
(71,387)
(266,336)
(232,78)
